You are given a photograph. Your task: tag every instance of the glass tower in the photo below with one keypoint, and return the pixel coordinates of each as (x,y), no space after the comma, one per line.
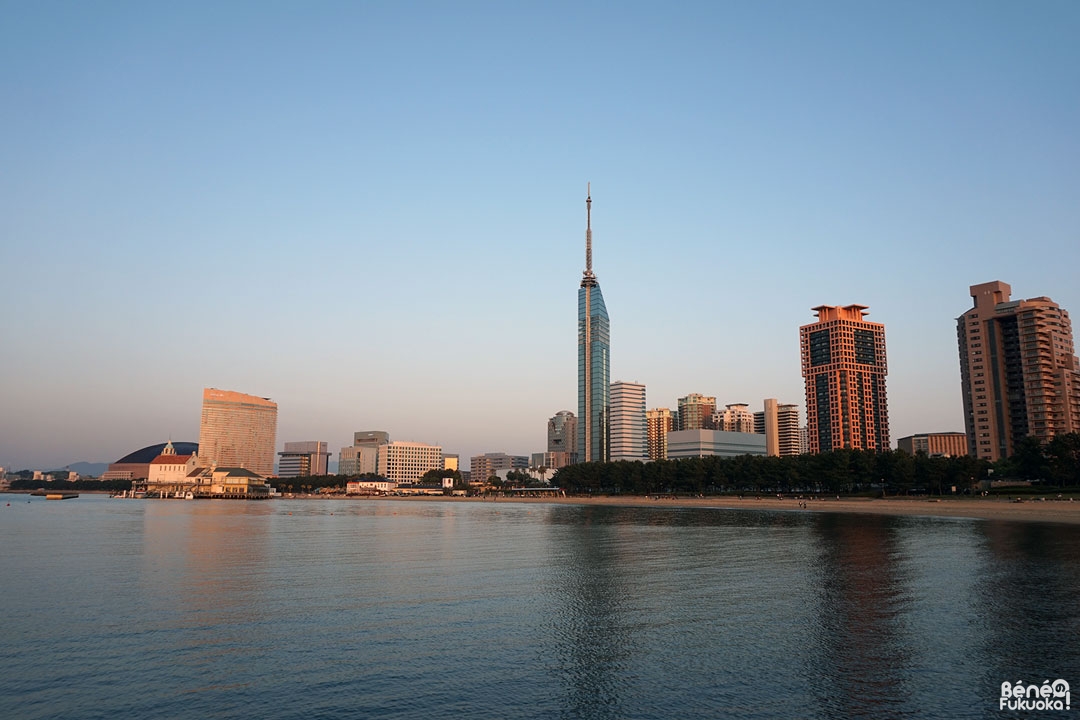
(594,360)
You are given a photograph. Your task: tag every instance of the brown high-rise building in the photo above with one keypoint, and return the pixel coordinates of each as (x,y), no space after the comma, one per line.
(1018,371)
(238,431)
(696,412)
(843,364)
(658,423)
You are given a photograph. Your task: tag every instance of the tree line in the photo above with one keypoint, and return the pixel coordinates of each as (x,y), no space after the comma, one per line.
(1055,463)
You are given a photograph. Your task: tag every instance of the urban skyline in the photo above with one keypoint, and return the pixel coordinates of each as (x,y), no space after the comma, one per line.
(400,254)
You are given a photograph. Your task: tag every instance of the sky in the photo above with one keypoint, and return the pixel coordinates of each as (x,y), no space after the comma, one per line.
(374,212)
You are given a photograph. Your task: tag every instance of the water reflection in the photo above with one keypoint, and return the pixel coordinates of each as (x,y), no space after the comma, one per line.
(1030,597)
(861,661)
(414,610)
(591,637)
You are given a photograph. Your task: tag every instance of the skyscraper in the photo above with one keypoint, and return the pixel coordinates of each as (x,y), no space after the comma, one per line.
(238,430)
(594,359)
(629,433)
(843,364)
(1018,371)
(659,421)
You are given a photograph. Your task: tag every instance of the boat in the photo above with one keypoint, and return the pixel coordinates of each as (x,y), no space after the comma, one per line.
(54,494)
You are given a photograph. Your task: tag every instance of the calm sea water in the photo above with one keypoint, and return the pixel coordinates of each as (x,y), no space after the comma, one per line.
(384,609)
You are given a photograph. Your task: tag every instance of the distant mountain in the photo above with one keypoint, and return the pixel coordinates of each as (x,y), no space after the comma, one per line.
(86,469)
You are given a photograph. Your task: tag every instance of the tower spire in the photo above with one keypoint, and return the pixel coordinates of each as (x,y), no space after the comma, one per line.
(588,228)
(587,277)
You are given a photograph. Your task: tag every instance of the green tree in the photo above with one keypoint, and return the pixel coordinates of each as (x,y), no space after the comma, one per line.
(1063,457)
(1029,460)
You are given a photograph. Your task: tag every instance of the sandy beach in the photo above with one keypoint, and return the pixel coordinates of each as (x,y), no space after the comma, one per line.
(988,508)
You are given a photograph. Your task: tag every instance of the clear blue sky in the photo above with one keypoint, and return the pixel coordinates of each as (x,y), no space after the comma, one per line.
(373,213)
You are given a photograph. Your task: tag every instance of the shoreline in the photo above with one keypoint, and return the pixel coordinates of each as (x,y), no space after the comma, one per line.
(1030,510)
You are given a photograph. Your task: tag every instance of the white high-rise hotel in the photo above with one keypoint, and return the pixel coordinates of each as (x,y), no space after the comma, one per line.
(237,431)
(628,427)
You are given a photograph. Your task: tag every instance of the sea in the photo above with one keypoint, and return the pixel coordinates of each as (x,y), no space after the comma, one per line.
(428,609)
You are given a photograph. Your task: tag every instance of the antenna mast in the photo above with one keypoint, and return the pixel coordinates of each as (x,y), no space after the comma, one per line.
(588,232)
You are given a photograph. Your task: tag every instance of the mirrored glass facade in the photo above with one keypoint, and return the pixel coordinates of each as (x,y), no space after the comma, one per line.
(594,373)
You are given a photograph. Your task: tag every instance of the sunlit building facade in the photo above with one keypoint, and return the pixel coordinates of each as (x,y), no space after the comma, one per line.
(944,444)
(629,432)
(779,423)
(406,462)
(735,417)
(659,422)
(695,412)
(237,431)
(843,365)
(1018,371)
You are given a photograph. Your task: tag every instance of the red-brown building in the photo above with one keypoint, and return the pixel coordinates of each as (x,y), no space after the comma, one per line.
(843,364)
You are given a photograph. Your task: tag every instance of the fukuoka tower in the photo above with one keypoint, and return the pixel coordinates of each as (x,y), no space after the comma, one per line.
(594,358)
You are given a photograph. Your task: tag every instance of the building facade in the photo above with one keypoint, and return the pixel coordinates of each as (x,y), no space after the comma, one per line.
(487,465)
(695,412)
(659,422)
(779,423)
(844,367)
(238,431)
(303,459)
(629,431)
(406,462)
(358,460)
(550,460)
(947,444)
(169,470)
(1018,371)
(362,457)
(699,443)
(789,431)
(735,417)
(562,435)
(594,359)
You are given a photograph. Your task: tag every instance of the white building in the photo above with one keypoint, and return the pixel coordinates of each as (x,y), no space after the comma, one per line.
(699,443)
(628,428)
(406,462)
(361,487)
(169,471)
